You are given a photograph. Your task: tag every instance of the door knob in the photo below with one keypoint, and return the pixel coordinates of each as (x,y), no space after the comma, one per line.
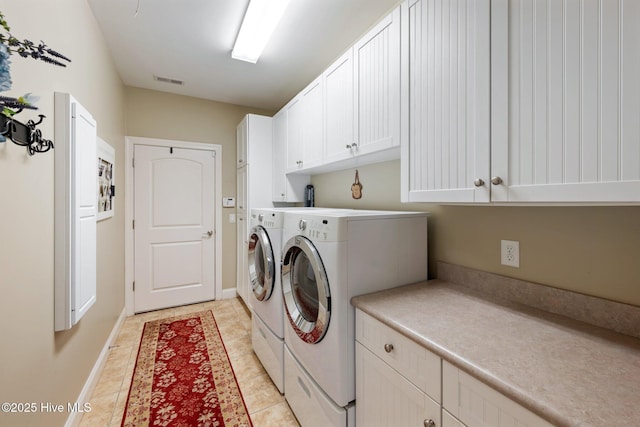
(496,180)
(429,423)
(388,348)
(478,182)
(208,233)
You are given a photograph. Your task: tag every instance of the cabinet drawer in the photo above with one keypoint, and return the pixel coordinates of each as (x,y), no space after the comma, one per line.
(410,359)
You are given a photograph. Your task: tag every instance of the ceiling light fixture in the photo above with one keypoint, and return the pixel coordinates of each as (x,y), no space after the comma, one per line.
(259,21)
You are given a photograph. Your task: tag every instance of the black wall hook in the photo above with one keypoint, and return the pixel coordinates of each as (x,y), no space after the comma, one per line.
(25,135)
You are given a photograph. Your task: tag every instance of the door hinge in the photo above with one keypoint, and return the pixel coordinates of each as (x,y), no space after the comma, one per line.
(133,162)
(134,286)
(133,224)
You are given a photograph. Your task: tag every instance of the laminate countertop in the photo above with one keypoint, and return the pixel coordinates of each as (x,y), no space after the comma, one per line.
(565,371)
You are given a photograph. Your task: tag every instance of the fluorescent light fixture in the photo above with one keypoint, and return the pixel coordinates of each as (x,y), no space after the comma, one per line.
(260,20)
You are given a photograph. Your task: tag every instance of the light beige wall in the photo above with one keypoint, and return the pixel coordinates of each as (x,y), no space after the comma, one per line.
(36,364)
(591,250)
(161,115)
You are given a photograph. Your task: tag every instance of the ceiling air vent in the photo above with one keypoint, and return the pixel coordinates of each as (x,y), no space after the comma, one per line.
(168,80)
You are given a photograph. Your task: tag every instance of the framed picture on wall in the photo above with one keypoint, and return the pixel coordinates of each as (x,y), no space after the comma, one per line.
(106,176)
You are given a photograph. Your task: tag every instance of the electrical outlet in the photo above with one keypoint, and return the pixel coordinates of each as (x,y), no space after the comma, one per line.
(510,253)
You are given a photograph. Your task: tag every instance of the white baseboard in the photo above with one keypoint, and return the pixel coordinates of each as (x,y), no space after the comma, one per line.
(94,375)
(229,293)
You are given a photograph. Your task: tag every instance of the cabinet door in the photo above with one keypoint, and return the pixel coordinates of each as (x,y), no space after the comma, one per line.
(285,188)
(242,266)
(446,64)
(385,398)
(75,211)
(242,142)
(278,186)
(449,420)
(566,101)
(477,405)
(312,132)
(377,77)
(338,109)
(295,128)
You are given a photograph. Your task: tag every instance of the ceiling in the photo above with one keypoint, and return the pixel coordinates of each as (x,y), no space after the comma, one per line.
(191,41)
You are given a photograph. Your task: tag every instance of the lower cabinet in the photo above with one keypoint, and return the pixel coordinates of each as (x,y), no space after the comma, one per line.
(397,381)
(385,398)
(477,405)
(400,383)
(449,420)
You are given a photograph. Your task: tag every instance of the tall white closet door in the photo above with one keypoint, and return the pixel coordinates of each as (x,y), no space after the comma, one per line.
(566,100)
(445,153)
(84,133)
(75,211)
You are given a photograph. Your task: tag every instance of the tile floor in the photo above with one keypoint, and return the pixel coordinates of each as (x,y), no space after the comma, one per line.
(266,406)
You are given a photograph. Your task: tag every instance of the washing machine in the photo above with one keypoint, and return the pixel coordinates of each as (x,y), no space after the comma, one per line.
(264,251)
(329,257)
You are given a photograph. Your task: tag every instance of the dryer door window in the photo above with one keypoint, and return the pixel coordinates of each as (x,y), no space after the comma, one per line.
(261,263)
(305,290)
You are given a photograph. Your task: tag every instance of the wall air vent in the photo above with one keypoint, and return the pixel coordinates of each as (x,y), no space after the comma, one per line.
(168,80)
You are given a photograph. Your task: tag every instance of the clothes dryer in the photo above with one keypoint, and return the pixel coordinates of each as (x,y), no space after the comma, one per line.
(265,293)
(328,258)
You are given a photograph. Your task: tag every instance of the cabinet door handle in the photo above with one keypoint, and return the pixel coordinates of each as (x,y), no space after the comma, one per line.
(478,182)
(496,180)
(429,423)
(388,348)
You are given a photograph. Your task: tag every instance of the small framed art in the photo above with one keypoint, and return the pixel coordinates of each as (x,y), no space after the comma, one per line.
(106,179)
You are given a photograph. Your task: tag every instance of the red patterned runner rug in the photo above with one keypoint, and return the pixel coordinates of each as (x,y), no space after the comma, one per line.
(183,377)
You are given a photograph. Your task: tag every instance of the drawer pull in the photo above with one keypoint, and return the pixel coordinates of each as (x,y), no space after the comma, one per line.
(429,423)
(388,348)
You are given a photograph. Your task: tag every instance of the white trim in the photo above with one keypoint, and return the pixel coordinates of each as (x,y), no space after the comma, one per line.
(92,380)
(130,142)
(229,293)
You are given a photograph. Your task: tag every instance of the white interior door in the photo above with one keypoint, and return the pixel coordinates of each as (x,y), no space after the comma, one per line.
(174,236)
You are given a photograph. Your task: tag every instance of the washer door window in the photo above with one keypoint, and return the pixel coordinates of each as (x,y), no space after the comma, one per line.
(261,263)
(305,289)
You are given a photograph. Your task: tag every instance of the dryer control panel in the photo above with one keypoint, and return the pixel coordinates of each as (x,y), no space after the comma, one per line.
(316,228)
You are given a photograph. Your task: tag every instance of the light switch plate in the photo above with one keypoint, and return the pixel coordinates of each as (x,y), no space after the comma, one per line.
(228,202)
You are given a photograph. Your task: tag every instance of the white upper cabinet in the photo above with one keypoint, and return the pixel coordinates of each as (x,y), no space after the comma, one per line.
(339,107)
(312,135)
(376,61)
(446,103)
(304,128)
(285,188)
(241,146)
(561,120)
(566,101)
(295,127)
(278,172)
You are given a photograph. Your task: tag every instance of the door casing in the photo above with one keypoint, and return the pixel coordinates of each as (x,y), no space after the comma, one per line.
(130,142)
